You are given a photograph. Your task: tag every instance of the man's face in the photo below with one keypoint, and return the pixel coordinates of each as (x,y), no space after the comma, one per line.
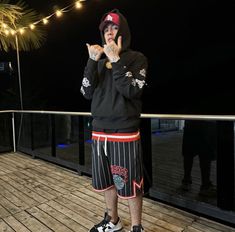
(110,32)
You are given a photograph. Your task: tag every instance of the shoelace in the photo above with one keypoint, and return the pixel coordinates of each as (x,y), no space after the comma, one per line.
(104,223)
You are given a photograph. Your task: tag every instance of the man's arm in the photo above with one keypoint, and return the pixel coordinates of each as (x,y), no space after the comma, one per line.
(130,78)
(90,77)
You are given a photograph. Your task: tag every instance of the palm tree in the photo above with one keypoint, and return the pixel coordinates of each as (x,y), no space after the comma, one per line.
(13,20)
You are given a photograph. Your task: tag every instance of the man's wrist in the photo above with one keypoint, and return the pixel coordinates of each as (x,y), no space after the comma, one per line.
(114,59)
(93,57)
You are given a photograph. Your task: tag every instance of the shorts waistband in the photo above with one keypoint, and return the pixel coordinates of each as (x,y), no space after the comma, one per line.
(116,137)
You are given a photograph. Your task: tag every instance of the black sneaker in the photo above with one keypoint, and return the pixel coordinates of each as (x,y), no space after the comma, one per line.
(208,191)
(107,226)
(186,185)
(138,228)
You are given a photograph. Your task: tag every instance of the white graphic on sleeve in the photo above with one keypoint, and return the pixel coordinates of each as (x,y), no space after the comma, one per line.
(82,90)
(85,82)
(133,82)
(128,74)
(140,83)
(137,82)
(143,72)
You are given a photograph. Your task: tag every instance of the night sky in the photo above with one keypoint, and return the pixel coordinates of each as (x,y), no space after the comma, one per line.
(190,46)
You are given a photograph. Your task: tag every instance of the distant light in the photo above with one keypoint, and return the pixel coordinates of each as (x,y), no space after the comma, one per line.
(61,145)
(88,141)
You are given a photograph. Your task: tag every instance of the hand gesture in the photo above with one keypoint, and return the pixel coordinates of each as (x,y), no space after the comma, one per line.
(112,50)
(95,51)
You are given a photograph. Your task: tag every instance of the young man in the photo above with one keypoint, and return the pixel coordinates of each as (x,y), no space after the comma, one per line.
(115,84)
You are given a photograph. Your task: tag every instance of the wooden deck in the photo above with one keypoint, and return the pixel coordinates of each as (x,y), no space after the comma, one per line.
(38,196)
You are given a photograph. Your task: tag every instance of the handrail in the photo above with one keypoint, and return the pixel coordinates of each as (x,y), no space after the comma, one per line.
(159,116)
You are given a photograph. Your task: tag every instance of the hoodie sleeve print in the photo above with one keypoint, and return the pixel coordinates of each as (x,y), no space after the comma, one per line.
(130,79)
(90,79)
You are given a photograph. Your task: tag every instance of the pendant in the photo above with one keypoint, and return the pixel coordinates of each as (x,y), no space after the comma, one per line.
(108,65)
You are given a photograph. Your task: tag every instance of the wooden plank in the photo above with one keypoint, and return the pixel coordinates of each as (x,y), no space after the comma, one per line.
(13,163)
(13,199)
(5,163)
(5,203)
(45,218)
(18,188)
(15,224)
(65,220)
(26,159)
(204,228)
(76,216)
(69,178)
(47,183)
(176,213)
(3,169)
(32,184)
(191,229)
(2,172)
(4,227)
(91,214)
(215,225)
(19,177)
(3,212)
(31,222)
(16,192)
(48,178)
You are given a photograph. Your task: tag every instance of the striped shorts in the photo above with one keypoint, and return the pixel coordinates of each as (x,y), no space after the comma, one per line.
(117,161)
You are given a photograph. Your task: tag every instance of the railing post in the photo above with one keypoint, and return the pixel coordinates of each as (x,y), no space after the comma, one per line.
(32,132)
(13,132)
(81,140)
(225,165)
(53,142)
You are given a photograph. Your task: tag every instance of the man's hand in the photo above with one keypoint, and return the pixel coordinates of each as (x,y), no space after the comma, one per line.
(95,51)
(112,50)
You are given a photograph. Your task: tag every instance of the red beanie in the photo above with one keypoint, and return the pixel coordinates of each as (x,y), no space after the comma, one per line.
(110,18)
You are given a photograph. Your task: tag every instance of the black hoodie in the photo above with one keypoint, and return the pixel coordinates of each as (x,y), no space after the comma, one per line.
(116,93)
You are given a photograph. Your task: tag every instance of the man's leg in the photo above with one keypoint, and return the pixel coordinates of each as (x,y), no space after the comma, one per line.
(135,206)
(111,201)
(188,165)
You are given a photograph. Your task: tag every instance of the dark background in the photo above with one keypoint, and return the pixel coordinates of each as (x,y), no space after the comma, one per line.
(190,46)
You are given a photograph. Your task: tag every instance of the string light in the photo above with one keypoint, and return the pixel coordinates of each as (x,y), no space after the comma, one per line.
(78,5)
(8,30)
(21,30)
(32,26)
(13,32)
(45,21)
(58,13)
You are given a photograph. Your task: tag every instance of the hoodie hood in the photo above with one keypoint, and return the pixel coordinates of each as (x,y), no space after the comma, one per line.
(124,30)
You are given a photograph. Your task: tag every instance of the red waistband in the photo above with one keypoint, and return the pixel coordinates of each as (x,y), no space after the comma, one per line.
(116,137)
